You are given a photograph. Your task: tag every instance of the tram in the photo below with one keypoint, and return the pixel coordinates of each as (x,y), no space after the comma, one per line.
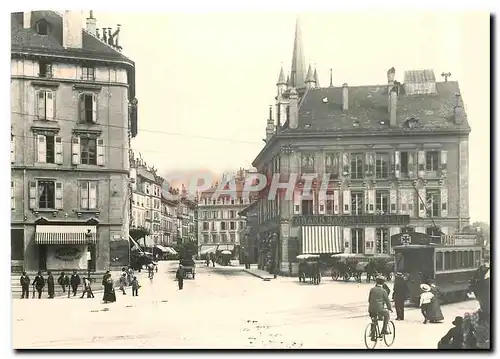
(450,260)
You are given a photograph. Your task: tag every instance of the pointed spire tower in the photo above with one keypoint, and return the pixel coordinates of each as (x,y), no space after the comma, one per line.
(310,81)
(282,82)
(298,71)
(316,79)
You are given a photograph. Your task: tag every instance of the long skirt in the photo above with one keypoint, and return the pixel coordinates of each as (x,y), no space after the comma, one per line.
(434,313)
(109,294)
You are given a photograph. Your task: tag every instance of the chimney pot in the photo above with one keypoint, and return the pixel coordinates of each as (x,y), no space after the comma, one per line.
(345,97)
(27,19)
(91,24)
(458,110)
(72,29)
(390,75)
(393,102)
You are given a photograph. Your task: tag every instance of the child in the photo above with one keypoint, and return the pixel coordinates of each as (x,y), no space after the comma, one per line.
(123,282)
(135,287)
(425,300)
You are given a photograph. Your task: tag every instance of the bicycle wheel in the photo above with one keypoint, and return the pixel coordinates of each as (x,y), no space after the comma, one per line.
(369,343)
(389,338)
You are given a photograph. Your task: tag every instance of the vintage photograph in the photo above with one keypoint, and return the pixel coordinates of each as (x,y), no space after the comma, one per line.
(250,180)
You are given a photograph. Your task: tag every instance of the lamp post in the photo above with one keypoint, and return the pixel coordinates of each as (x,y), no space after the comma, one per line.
(88,237)
(274,241)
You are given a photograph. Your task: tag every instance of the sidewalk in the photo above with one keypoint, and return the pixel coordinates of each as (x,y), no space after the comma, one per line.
(262,274)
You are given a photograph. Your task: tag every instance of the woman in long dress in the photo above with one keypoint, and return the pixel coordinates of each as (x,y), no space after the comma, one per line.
(109,291)
(435,314)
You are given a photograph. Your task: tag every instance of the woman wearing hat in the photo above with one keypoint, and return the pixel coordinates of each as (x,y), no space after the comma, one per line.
(425,300)
(435,315)
(454,338)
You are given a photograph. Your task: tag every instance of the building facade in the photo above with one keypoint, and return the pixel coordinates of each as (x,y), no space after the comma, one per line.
(249,242)
(380,159)
(169,205)
(72,94)
(186,218)
(219,220)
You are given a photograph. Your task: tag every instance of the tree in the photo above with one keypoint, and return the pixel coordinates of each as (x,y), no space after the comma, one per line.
(139,232)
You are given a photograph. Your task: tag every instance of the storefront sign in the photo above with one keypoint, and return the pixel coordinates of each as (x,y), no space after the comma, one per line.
(348,221)
(68,254)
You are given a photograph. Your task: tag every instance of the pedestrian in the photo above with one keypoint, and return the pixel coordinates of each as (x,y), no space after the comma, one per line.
(75,282)
(50,285)
(25,286)
(39,283)
(135,287)
(454,338)
(123,283)
(109,291)
(208,260)
(150,270)
(179,275)
(87,288)
(63,281)
(400,295)
(435,314)
(130,274)
(425,301)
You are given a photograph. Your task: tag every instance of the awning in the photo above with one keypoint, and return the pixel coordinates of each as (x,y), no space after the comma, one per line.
(171,250)
(225,247)
(52,234)
(321,239)
(161,248)
(210,249)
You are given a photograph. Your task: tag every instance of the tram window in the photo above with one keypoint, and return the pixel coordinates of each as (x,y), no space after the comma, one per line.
(460,264)
(454,260)
(470,258)
(447,260)
(477,258)
(439,261)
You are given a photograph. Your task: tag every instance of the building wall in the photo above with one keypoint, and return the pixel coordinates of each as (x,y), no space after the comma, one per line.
(112,176)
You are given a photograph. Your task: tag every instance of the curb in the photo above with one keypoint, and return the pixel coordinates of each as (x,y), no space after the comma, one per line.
(267,278)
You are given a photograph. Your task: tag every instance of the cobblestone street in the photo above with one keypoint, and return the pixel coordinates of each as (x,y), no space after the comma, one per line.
(222,308)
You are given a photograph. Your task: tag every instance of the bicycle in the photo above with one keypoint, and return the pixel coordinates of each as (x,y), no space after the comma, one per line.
(373,333)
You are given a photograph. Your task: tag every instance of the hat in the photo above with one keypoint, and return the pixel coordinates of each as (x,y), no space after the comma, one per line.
(425,287)
(399,274)
(458,321)
(380,277)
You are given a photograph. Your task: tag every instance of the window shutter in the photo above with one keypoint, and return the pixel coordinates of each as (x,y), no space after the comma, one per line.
(33,195)
(84,195)
(444,199)
(82,107)
(13,149)
(296,203)
(75,150)
(346,202)
(393,201)
(392,231)
(397,164)
(347,239)
(421,205)
(371,200)
(100,152)
(421,164)
(444,160)
(345,164)
(41,104)
(58,147)
(93,194)
(12,195)
(411,164)
(336,202)
(41,147)
(321,202)
(59,195)
(402,199)
(94,108)
(49,105)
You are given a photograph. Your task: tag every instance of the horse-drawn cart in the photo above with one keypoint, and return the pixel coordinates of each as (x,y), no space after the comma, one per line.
(347,266)
(309,268)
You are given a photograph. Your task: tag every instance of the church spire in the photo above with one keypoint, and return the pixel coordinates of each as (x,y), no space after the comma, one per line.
(316,79)
(297,77)
(281,77)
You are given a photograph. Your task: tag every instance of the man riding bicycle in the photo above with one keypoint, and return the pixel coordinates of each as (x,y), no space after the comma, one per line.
(376,300)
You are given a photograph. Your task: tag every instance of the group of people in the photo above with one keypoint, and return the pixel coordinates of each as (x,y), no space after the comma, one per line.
(39,283)
(430,302)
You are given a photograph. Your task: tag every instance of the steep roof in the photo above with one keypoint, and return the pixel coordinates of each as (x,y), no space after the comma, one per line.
(321,109)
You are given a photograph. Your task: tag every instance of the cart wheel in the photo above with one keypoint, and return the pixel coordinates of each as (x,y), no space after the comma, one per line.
(335,274)
(193,275)
(347,277)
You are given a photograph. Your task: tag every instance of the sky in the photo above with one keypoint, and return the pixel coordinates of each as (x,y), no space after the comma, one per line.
(205,81)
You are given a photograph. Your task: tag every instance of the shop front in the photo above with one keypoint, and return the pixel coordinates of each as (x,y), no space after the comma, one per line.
(63,247)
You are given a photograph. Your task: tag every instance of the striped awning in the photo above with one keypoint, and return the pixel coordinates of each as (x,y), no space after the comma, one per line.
(51,234)
(322,239)
(206,250)
(225,247)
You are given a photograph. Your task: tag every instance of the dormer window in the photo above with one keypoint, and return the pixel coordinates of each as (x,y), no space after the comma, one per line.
(411,122)
(42,27)
(45,69)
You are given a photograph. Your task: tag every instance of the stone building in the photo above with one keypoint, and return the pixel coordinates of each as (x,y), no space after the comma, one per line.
(73,112)
(250,245)
(395,155)
(169,203)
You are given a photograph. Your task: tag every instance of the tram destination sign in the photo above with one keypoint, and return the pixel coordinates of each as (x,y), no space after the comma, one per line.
(348,220)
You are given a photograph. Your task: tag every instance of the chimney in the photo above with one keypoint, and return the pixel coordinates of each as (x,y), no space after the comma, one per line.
(104,35)
(293,113)
(345,98)
(458,110)
(393,103)
(91,24)
(72,29)
(391,73)
(27,20)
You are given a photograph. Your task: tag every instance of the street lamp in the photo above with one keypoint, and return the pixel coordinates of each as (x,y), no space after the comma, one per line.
(88,237)
(274,241)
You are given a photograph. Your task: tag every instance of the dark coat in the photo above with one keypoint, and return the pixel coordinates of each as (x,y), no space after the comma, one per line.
(180,274)
(63,280)
(25,280)
(50,283)
(377,298)
(453,339)
(401,290)
(39,282)
(75,280)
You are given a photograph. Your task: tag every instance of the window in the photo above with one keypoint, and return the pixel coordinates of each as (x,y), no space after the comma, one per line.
(45,99)
(435,234)
(232,225)
(49,149)
(46,194)
(242,225)
(223,237)
(382,202)
(88,108)
(357,235)
(307,163)
(223,226)
(231,214)
(12,195)
(356,166)
(307,207)
(439,261)
(381,166)
(42,27)
(433,202)
(232,237)
(407,229)
(356,203)
(205,226)
(88,151)
(205,238)
(44,69)
(404,163)
(88,73)
(332,165)
(330,207)
(88,194)
(431,161)
(382,241)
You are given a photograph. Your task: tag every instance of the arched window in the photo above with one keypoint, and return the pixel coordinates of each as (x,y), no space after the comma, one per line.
(42,27)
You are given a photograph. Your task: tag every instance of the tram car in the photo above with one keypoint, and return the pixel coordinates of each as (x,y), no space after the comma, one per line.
(450,260)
